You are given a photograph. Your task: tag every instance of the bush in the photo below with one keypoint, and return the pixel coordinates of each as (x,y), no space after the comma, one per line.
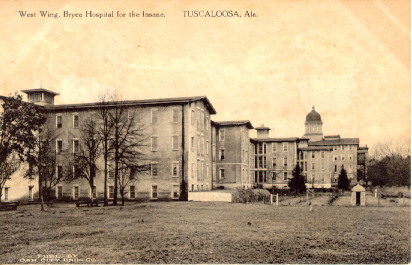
(251,195)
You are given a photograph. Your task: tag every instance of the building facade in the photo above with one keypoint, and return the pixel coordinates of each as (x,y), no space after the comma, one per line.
(188,152)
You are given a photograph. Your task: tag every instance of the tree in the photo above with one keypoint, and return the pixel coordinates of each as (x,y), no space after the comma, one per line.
(85,161)
(391,170)
(297,182)
(127,140)
(105,131)
(7,169)
(128,174)
(343,180)
(42,163)
(390,164)
(20,123)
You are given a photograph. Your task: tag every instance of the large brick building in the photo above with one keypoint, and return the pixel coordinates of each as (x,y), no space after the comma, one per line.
(185,147)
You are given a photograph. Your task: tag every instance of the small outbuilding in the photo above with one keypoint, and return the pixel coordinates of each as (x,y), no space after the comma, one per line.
(358,196)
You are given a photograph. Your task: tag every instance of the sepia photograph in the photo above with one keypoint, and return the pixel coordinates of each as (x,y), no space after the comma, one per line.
(205,132)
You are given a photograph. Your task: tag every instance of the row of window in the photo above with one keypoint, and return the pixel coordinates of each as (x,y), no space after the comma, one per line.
(154,143)
(260,148)
(202,122)
(200,170)
(263,176)
(59,121)
(110,193)
(154,169)
(75,146)
(6,193)
(260,162)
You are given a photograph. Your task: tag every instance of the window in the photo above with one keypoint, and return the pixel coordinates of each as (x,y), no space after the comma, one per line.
(59,121)
(192,118)
(285,175)
(132,192)
(323,165)
(31,193)
(175,169)
(285,147)
(221,134)
(154,191)
(75,120)
(285,161)
(335,158)
(322,154)
(76,192)
(175,191)
(154,143)
(273,176)
(59,171)
(154,116)
(313,166)
(192,143)
(274,162)
(6,194)
(342,147)
(94,192)
(261,161)
(313,154)
(153,169)
(192,170)
(111,192)
(175,142)
(207,171)
(336,168)
(207,123)
(306,166)
(59,192)
(133,173)
(75,146)
(350,157)
(260,148)
(221,173)
(110,171)
(273,147)
(175,115)
(207,147)
(342,157)
(222,154)
(59,146)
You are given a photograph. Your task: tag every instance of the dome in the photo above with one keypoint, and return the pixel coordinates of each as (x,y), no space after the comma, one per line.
(313,116)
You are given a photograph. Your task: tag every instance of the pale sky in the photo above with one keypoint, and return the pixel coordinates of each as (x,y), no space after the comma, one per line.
(350,59)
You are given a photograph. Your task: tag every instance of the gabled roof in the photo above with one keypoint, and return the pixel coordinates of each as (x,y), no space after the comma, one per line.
(288,139)
(341,141)
(143,102)
(247,123)
(27,91)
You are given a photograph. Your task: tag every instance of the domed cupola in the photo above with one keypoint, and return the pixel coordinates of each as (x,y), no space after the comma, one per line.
(313,116)
(313,126)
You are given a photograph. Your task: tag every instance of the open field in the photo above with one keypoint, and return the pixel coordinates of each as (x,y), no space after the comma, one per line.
(194,232)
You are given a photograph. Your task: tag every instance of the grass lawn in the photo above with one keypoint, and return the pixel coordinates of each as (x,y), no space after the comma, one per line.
(207,232)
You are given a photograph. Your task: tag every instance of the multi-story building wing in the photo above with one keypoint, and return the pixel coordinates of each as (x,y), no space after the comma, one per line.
(231,146)
(274,159)
(178,136)
(325,156)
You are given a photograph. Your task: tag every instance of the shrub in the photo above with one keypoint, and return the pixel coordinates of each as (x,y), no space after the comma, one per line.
(250,195)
